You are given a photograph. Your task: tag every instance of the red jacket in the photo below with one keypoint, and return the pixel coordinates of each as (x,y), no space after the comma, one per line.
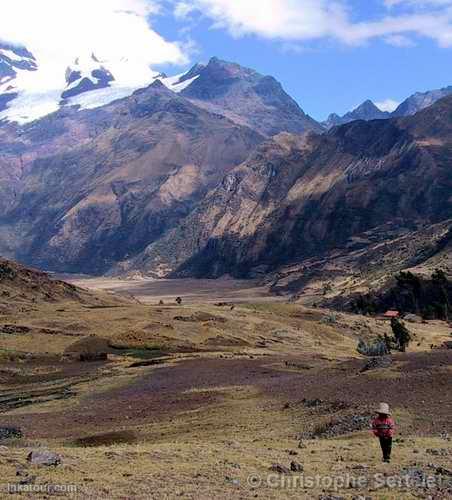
(383,426)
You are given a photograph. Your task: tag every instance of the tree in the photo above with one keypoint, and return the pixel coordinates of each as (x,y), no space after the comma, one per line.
(401,334)
(413,286)
(179,301)
(441,282)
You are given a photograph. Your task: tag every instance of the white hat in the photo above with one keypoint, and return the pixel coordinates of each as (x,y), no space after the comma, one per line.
(384,408)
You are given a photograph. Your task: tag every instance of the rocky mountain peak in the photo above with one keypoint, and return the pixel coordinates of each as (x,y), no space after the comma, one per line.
(421,100)
(365,111)
(367,107)
(84,75)
(247,97)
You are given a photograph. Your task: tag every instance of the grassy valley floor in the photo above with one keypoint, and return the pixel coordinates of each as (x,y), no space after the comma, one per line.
(217,397)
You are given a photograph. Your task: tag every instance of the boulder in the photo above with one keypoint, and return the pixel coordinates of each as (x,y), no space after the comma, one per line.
(44,457)
(412,318)
(296,467)
(279,469)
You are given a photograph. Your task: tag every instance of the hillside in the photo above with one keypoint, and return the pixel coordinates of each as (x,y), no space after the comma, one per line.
(21,286)
(363,185)
(86,187)
(83,189)
(215,392)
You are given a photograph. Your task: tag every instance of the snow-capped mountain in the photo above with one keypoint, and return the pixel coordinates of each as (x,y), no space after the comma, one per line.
(13,62)
(86,75)
(87,82)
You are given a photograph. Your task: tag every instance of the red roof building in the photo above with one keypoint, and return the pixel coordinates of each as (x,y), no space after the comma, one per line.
(391,314)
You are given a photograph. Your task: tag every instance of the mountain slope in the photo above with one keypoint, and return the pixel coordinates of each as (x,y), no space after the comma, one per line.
(93,186)
(19,285)
(248,98)
(299,198)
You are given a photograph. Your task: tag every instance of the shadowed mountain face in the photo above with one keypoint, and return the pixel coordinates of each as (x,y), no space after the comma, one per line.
(84,189)
(297,198)
(246,97)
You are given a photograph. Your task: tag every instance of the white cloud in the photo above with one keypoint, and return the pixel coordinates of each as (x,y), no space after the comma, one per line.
(296,20)
(183,9)
(58,31)
(387,105)
(417,3)
(400,41)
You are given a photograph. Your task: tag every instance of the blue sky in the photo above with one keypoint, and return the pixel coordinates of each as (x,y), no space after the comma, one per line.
(330,55)
(325,75)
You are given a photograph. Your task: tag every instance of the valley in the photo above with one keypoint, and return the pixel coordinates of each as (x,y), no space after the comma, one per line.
(204,291)
(152,291)
(150,416)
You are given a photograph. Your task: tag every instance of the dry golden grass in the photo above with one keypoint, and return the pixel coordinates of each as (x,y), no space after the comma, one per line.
(286,327)
(209,450)
(213,453)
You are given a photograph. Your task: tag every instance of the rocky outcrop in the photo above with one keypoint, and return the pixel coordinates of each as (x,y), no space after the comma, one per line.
(248,98)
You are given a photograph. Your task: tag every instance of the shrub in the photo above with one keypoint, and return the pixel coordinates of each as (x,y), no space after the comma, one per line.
(376,348)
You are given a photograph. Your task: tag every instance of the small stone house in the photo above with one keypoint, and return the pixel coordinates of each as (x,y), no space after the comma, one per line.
(90,348)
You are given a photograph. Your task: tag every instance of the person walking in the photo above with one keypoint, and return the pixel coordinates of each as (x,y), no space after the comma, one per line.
(383,428)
